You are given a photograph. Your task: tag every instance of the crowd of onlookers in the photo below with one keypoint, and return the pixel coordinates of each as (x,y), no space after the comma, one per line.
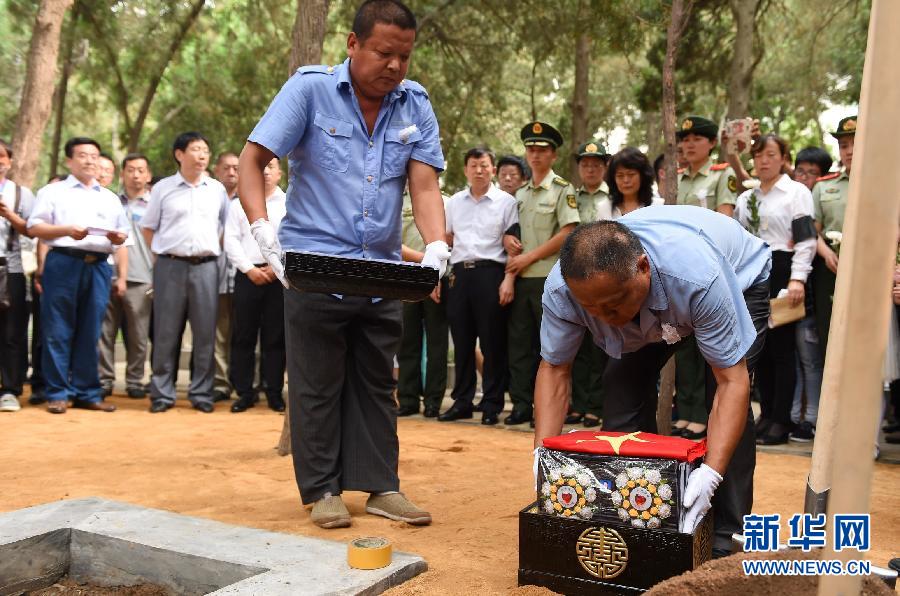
(82,261)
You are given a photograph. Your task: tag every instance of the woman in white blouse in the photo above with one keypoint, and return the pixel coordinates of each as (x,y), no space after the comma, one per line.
(629,176)
(779,211)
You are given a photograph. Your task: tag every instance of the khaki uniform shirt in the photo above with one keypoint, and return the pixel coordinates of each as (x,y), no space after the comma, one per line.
(830,200)
(543,210)
(710,187)
(588,202)
(409,233)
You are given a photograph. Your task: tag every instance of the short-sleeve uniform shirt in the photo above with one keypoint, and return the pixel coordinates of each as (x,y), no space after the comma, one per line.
(543,210)
(711,186)
(830,200)
(701,262)
(345,187)
(589,202)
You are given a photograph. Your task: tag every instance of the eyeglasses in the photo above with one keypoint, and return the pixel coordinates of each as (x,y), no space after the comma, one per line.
(803,173)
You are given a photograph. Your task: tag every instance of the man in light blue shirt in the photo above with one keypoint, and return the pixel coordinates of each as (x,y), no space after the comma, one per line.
(353,133)
(640,285)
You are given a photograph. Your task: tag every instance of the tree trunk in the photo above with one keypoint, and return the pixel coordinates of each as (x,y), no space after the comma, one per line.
(580,98)
(681,10)
(306,48)
(742,63)
(134,134)
(59,98)
(37,94)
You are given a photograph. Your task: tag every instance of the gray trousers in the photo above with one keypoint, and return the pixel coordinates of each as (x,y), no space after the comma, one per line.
(340,386)
(135,307)
(179,289)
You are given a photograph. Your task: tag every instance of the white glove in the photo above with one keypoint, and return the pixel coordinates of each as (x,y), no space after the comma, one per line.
(436,255)
(534,467)
(265,235)
(697,498)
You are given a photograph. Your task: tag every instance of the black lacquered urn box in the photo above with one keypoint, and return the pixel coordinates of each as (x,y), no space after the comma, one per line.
(607,515)
(329,274)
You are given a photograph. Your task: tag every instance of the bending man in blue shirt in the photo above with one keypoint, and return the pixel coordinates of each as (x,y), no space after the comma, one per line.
(639,285)
(353,133)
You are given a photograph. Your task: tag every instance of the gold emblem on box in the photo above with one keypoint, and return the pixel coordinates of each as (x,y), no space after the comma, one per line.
(602,552)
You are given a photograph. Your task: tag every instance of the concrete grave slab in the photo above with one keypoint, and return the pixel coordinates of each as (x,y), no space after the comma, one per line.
(112,543)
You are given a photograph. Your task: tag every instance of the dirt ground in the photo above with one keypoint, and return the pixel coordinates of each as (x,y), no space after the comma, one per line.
(223,466)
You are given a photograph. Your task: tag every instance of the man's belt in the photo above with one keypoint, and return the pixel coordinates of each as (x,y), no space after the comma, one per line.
(191,260)
(476,264)
(88,256)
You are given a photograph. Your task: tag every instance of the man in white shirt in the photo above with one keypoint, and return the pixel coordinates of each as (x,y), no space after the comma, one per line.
(480,289)
(258,302)
(16,203)
(182,225)
(226,172)
(82,223)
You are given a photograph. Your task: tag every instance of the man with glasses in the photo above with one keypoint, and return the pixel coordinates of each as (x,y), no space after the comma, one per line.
(183,225)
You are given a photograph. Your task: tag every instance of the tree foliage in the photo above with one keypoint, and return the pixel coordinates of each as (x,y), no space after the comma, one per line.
(489,66)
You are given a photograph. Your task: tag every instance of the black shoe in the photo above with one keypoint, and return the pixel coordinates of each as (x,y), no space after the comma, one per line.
(107,390)
(408,410)
(778,434)
(204,406)
(220,395)
(891,428)
(517,418)
(895,564)
(718,553)
(432,411)
(893,438)
(136,393)
(574,418)
(489,419)
(158,405)
(803,433)
(276,403)
(693,436)
(678,432)
(37,399)
(241,404)
(477,407)
(456,412)
(590,422)
(762,427)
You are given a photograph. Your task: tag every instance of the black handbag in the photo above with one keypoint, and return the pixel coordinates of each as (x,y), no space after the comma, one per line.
(4,262)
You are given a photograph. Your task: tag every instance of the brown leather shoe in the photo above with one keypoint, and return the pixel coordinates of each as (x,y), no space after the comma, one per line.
(97,406)
(57,407)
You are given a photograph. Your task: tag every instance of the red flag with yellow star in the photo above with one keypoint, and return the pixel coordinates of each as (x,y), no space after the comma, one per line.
(636,444)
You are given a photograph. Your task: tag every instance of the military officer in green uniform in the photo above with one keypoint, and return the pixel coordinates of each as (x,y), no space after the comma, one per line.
(548,212)
(428,317)
(829,202)
(714,186)
(590,362)
(702,183)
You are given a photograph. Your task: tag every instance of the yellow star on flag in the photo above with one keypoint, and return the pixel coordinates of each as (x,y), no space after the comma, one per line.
(615,442)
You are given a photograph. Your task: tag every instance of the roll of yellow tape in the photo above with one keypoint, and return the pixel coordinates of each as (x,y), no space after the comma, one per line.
(369,553)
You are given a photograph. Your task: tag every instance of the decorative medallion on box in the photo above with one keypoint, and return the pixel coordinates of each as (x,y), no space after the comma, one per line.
(602,552)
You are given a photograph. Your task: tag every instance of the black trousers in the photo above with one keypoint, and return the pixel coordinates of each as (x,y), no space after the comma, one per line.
(473,307)
(14,336)
(340,387)
(37,343)
(424,320)
(776,373)
(630,405)
(257,314)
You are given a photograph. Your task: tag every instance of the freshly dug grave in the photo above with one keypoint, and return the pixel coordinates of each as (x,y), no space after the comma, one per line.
(68,587)
(726,576)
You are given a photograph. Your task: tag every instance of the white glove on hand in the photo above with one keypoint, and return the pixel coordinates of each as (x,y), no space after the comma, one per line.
(267,238)
(534,467)
(436,255)
(698,496)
